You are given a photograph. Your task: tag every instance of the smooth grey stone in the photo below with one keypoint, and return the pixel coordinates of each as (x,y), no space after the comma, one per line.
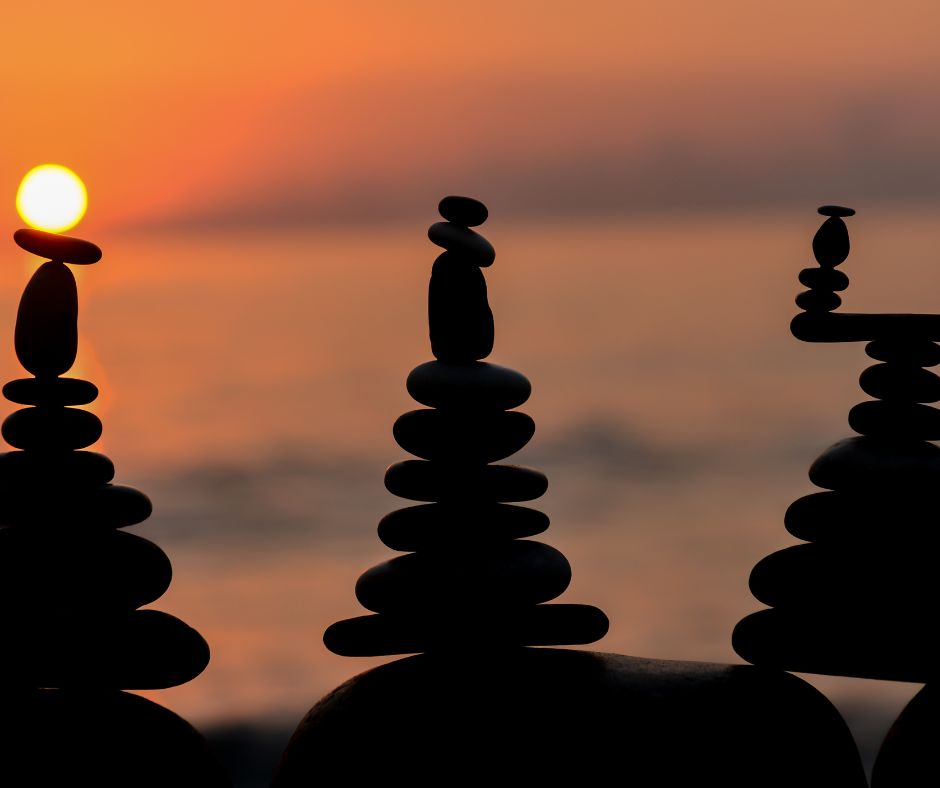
(830,279)
(865,517)
(437,525)
(47,428)
(849,327)
(463,437)
(831,243)
(50,391)
(464,211)
(897,420)
(919,354)
(460,320)
(845,641)
(865,462)
(471,247)
(835,210)
(53,470)
(57,247)
(510,574)
(537,625)
(143,649)
(430,481)
(46,336)
(900,383)
(112,570)
(108,506)
(818,301)
(478,386)
(550,717)
(908,755)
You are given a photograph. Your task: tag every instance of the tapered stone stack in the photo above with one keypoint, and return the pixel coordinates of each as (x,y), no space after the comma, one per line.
(859,598)
(72,579)
(470,575)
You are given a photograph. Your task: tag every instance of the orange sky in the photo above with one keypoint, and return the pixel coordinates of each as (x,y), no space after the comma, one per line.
(225,114)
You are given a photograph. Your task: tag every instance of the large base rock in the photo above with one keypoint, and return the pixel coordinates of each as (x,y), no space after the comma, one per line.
(543,715)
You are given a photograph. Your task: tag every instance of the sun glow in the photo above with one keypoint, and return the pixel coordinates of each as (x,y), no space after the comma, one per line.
(51,198)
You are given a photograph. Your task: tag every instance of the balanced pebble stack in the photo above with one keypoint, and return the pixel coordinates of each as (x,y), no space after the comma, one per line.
(470,576)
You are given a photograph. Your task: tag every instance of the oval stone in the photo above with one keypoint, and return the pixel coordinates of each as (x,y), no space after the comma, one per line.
(57,247)
(871,464)
(51,429)
(430,481)
(46,335)
(829,279)
(464,211)
(53,470)
(831,243)
(900,383)
(818,301)
(918,353)
(50,391)
(106,507)
(478,386)
(835,210)
(512,574)
(436,525)
(460,321)
(896,420)
(453,436)
(463,242)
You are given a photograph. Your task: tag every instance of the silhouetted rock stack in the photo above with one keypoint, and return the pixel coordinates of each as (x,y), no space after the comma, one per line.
(71,581)
(478,704)
(471,577)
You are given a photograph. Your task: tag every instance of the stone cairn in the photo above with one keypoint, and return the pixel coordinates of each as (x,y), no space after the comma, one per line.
(856,600)
(470,578)
(71,579)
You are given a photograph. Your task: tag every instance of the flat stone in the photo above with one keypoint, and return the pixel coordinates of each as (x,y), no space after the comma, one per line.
(539,625)
(51,429)
(829,279)
(478,386)
(872,463)
(900,383)
(112,570)
(896,420)
(57,247)
(50,391)
(451,436)
(46,336)
(847,641)
(436,525)
(864,327)
(569,717)
(464,211)
(419,480)
(460,320)
(54,470)
(835,210)
(865,517)
(510,574)
(918,353)
(831,242)
(143,649)
(469,246)
(105,507)
(908,755)
(818,301)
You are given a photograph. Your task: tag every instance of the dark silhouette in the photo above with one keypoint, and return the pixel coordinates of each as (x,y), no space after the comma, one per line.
(71,582)
(479,704)
(857,600)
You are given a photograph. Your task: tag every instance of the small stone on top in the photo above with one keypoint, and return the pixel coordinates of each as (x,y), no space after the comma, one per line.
(464,211)
(58,247)
(836,210)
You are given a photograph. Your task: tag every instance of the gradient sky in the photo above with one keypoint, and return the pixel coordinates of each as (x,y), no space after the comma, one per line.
(294,113)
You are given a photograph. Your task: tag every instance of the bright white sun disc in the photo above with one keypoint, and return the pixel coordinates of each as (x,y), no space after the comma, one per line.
(51,198)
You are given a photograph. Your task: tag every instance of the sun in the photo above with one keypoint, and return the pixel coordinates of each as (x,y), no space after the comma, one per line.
(52,198)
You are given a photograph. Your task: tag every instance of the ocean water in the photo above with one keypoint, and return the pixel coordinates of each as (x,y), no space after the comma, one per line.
(250,382)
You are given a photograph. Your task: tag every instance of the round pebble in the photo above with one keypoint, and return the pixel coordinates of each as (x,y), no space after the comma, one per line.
(419,480)
(831,243)
(900,383)
(46,336)
(818,301)
(460,321)
(50,391)
(829,279)
(21,470)
(896,420)
(478,386)
(869,463)
(919,353)
(51,429)
(464,243)
(96,508)
(835,210)
(864,516)
(451,436)
(464,211)
(58,247)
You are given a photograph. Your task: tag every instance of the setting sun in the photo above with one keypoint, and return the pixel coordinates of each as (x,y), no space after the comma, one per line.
(52,198)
